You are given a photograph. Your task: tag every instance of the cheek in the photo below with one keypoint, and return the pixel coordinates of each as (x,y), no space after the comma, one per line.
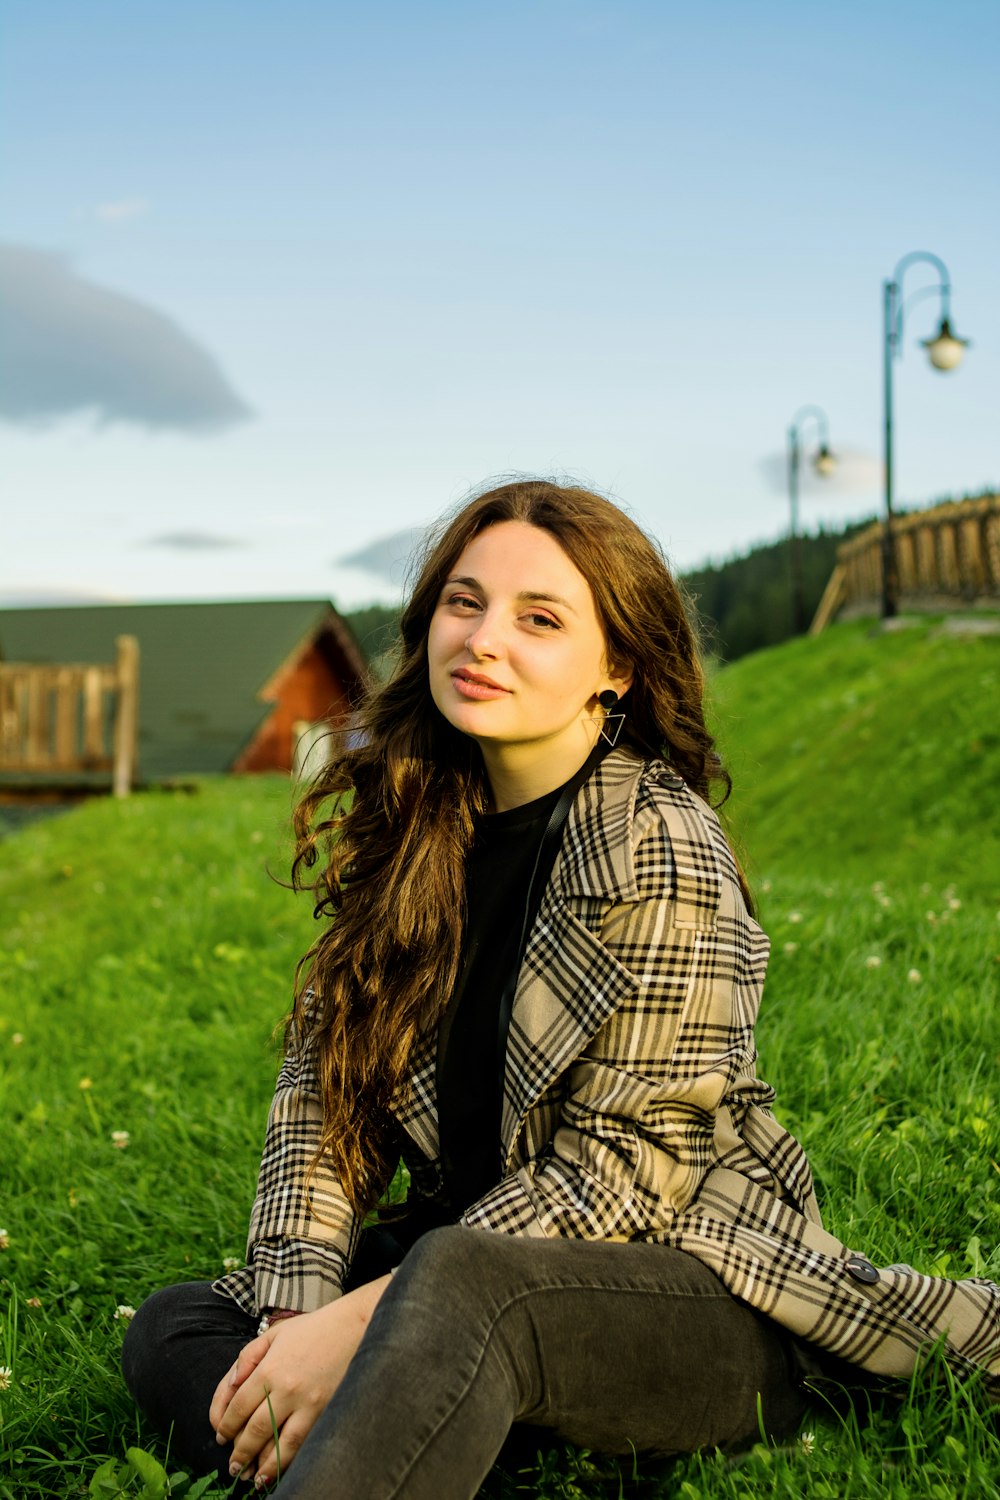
(438,640)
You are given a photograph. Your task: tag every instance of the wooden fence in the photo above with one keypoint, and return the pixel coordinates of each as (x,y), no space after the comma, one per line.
(946,558)
(71,719)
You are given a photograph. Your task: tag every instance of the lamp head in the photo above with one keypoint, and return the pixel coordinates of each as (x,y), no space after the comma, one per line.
(945,349)
(825,462)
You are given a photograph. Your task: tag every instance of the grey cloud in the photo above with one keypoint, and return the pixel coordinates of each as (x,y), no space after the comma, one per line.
(388,556)
(193,541)
(70,345)
(122,210)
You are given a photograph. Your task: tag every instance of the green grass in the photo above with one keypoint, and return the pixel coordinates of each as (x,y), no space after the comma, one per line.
(146,954)
(868,754)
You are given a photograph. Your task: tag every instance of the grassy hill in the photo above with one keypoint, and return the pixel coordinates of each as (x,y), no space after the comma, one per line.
(868,752)
(146,954)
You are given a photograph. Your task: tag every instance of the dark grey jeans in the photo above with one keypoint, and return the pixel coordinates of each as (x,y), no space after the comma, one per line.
(613,1346)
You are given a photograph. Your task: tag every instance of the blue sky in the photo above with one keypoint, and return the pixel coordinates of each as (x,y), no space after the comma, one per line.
(286,279)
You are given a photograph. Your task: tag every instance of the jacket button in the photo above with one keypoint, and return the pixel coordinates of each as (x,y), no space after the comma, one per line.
(861,1269)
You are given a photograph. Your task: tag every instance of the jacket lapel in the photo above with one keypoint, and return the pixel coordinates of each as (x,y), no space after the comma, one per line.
(569,983)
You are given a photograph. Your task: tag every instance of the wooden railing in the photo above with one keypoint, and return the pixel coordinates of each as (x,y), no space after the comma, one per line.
(73,718)
(946,558)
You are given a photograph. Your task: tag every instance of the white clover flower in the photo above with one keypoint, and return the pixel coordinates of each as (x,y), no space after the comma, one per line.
(6,1374)
(791,947)
(120,1139)
(765,885)
(4,1239)
(16,1039)
(884,901)
(873,961)
(878,887)
(931,917)
(231,1262)
(124,1313)
(795,916)
(807,1442)
(914,976)
(954,904)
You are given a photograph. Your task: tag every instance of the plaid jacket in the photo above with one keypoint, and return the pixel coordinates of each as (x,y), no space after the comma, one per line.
(631,1108)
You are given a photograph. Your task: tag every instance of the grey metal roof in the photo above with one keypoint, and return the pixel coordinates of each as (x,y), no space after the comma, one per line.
(201,666)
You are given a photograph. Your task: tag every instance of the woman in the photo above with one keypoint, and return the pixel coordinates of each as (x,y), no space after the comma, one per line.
(539,989)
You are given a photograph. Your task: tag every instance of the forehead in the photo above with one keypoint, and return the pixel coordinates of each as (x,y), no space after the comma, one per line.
(525,559)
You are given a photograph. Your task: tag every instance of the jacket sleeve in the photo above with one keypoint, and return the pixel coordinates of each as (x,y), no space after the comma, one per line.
(642,1113)
(302,1233)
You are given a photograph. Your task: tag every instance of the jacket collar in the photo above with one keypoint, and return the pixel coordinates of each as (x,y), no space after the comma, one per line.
(595,858)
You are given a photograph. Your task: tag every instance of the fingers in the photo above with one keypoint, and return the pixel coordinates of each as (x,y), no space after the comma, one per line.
(247,1361)
(249,1358)
(267,1463)
(257,1434)
(290,1440)
(224,1392)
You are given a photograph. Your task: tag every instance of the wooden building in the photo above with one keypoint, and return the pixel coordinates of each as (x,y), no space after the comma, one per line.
(224,687)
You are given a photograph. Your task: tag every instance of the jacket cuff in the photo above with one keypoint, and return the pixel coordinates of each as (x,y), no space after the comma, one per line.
(298,1275)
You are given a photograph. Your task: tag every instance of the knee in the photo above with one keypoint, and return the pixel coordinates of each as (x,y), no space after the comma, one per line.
(466,1277)
(144,1337)
(467,1293)
(151,1332)
(454,1257)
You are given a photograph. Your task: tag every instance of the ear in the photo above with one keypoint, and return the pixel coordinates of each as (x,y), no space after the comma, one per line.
(618,677)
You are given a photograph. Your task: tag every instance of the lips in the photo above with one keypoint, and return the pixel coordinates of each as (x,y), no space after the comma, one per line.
(476,685)
(479,677)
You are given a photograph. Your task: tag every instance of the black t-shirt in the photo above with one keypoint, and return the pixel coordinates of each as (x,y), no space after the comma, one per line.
(498,877)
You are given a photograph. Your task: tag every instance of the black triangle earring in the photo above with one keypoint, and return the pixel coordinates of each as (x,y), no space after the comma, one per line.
(608,699)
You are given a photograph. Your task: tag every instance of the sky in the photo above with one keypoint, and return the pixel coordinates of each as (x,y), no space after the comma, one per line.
(278,282)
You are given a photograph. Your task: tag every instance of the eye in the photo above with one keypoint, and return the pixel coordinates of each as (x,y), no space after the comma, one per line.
(464,602)
(545,622)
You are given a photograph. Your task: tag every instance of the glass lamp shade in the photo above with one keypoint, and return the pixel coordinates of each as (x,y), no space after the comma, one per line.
(945,349)
(825,462)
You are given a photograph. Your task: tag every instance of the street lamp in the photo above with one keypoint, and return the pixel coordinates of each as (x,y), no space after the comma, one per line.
(945,351)
(824,462)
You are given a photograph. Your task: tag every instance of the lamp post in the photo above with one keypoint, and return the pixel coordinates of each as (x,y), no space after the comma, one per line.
(824,462)
(945,351)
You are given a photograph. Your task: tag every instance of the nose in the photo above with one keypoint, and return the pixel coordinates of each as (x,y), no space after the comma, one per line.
(483,640)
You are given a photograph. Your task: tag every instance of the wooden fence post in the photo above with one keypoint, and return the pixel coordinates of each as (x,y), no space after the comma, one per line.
(125,733)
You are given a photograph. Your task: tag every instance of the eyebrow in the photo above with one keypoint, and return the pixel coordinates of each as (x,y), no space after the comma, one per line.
(525,596)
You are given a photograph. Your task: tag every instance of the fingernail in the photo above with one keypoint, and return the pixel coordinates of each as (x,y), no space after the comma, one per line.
(220,1439)
(234,1470)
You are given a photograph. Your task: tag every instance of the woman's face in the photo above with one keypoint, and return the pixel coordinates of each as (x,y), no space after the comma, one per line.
(516,652)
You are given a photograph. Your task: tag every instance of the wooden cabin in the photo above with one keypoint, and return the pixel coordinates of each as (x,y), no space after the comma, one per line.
(224,687)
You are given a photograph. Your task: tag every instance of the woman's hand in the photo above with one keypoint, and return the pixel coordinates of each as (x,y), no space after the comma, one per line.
(284,1378)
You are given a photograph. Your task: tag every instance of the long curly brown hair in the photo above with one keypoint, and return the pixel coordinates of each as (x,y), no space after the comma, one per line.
(389,820)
